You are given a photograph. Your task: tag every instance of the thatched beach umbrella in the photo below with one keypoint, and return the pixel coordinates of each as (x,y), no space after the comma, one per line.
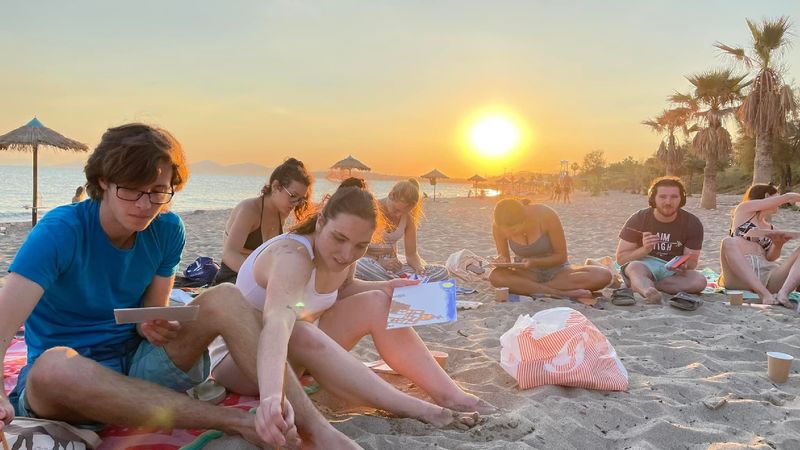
(28,138)
(475,180)
(349,164)
(432,176)
(502,182)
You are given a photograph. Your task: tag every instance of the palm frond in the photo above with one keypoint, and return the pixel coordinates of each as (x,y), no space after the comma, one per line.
(654,125)
(737,53)
(712,142)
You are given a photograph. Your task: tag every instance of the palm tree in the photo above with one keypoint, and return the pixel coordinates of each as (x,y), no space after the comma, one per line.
(718,92)
(764,110)
(670,120)
(575,166)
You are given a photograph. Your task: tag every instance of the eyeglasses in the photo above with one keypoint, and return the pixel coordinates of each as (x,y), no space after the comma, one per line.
(132,195)
(294,198)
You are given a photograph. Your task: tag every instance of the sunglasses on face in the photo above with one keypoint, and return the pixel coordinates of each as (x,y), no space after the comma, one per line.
(294,198)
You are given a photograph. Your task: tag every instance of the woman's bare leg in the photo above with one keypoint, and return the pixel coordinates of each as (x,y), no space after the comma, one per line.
(520,282)
(737,273)
(354,317)
(786,278)
(592,278)
(346,377)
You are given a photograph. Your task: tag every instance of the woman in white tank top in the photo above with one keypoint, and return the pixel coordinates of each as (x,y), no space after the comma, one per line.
(306,277)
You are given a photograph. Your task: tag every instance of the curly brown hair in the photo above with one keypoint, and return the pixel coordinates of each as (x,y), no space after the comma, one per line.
(130,154)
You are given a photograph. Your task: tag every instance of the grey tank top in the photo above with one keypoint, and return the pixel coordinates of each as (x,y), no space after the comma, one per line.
(541,247)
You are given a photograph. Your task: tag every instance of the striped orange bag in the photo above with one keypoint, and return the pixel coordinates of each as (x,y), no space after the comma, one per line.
(561,346)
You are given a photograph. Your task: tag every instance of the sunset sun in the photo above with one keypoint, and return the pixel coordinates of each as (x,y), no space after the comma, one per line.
(494,136)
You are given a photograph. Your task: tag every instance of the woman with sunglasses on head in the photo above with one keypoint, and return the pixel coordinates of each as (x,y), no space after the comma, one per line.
(256,220)
(402,209)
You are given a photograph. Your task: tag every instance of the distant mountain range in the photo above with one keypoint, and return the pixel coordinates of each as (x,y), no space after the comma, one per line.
(250,169)
(247,169)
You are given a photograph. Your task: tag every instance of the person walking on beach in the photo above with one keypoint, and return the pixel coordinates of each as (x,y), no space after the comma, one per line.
(256,220)
(121,249)
(566,188)
(535,234)
(653,236)
(749,262)
(402,209)
(302,282)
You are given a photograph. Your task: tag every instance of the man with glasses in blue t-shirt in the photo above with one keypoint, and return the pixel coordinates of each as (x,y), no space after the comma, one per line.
(121,249)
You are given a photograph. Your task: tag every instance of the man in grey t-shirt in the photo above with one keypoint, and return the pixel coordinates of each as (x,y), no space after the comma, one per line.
(653,236)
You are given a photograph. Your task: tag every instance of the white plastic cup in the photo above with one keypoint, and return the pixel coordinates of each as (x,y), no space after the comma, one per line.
(778,366)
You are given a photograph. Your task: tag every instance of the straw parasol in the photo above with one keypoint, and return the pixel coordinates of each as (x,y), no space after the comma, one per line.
(475,180)
(432,176)
(349,164)
(28,138)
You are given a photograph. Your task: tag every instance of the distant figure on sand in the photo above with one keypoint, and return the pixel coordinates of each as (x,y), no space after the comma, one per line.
(653,236)
(535,235)
(301,286)
(80,194)
(402,209)
(256,220)
(749,262)
(121,249)
(566,188)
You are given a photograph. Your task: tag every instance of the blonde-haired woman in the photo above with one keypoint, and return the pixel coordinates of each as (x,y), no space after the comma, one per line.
(402,210)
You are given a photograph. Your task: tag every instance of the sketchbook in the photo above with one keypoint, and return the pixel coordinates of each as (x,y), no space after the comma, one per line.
(137,315)
(422,304)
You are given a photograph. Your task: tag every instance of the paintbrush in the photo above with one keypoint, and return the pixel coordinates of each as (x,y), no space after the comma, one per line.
(634,229)
(3,440)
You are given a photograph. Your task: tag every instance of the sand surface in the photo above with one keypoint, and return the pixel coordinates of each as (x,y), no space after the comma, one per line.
(697,379)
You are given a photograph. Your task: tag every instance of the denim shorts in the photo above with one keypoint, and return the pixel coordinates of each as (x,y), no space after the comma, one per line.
(136,358)
(655,265)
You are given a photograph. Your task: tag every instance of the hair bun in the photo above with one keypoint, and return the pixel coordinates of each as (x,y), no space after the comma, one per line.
(294,162)
(414,181)
(353,182)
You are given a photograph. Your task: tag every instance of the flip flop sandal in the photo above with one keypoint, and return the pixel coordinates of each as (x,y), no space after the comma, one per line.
(685,301)
(622,297)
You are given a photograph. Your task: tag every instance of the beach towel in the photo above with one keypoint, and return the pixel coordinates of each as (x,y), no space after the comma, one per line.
(561,346)
(712,282)
(118,437)
(712,287)
(41,434)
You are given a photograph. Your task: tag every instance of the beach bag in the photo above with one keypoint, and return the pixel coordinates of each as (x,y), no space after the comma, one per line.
(40,434)
(202,270)
(467,266)
(561,346)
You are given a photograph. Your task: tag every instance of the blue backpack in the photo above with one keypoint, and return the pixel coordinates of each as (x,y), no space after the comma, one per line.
(202,270)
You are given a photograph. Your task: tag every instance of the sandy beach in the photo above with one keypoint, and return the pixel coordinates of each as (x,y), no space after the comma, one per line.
(697,379)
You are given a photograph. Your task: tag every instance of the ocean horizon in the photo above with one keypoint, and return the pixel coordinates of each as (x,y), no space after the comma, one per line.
(204,191)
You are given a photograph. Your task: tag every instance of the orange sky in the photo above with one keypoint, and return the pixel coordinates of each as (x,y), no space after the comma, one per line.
(391,83)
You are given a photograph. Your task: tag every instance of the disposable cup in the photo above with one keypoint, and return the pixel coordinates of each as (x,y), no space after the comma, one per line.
(501,294)
(778,366)
(440,357)
(735,298)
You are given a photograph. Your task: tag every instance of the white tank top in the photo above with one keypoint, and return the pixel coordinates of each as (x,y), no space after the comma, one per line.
(313,303)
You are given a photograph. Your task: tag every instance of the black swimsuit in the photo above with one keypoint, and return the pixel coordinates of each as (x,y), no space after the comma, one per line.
(254,239)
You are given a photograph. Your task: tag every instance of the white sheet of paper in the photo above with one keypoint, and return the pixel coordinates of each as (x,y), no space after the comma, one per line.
(138,315)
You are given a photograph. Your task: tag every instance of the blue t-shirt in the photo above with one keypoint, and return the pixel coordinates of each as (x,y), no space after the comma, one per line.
(85,277)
